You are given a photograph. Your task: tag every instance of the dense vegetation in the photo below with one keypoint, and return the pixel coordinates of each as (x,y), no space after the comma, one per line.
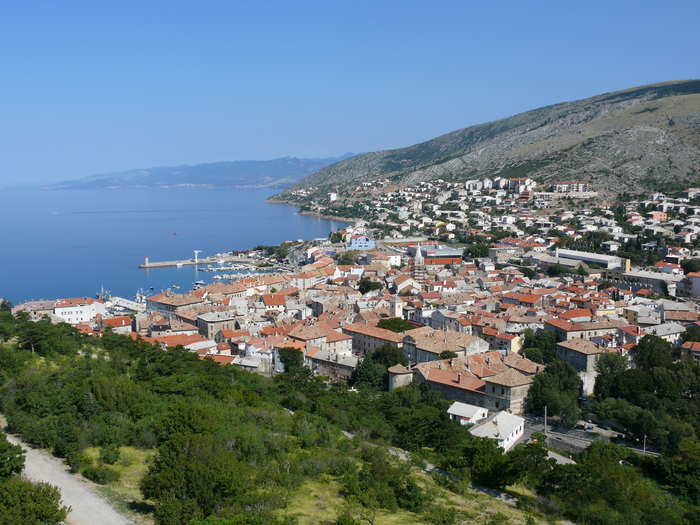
(228,450)
(22,501)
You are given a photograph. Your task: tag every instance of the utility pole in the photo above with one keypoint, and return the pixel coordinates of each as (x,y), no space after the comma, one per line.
(645,444)
(545,420)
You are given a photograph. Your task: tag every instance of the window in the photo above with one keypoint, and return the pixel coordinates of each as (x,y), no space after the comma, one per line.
(503,391)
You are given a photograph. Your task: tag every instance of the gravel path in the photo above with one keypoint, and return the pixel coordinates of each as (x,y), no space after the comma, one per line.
(87,507)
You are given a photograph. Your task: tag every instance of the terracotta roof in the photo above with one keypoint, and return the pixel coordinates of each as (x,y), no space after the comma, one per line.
(582,346)
(510,378)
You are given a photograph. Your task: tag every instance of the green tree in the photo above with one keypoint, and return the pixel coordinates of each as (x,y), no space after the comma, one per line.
(369,374)
(389,355)
(348,257)
(692,334)
(192,476)
(488,464)
(475,251)
(372,371)
(557,269)
(544,340)
(291,358)
(652,351)
(690,265)
(557,388)
(395,324)
(609,367)
(27,503)
(11,458)
(365,284)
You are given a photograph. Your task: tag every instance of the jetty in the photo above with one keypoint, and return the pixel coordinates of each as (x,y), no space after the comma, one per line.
(216,259)
(129,305)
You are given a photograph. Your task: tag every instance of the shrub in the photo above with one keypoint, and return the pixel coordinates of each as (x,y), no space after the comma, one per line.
(101,475)
(109,454)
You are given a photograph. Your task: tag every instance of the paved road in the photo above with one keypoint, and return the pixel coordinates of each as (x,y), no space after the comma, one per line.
(87,507)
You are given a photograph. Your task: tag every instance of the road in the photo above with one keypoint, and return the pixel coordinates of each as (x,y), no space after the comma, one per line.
(87,508)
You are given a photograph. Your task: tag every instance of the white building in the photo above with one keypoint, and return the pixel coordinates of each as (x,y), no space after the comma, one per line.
(79,310)
(503,427)
(466,414)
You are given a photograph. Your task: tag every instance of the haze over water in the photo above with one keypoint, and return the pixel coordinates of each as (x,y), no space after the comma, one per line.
(70,243)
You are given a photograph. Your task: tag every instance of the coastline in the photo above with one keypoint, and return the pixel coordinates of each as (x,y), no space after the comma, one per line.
(349,220)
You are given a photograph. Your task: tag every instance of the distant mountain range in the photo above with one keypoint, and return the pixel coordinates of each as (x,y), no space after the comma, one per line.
(633,140)
(277,173)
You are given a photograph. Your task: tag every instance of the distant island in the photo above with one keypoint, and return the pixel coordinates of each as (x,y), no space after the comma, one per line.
(278,173)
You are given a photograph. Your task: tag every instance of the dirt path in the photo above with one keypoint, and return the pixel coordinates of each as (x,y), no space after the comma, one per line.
(87,507)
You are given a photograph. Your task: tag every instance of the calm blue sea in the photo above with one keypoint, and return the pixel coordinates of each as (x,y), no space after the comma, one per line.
(70,243)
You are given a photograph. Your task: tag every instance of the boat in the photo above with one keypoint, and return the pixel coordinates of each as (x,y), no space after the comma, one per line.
(199,284)
(176,286)
(103,295)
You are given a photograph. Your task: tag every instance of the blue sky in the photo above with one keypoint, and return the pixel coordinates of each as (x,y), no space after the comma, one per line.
(94,87)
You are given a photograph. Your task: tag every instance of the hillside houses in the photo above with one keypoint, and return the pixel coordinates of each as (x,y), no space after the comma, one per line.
(562,271)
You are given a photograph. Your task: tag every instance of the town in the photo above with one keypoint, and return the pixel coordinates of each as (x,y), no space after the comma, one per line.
(489,281)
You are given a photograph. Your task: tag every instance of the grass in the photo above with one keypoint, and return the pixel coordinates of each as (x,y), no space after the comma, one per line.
(124,494)
(320,501)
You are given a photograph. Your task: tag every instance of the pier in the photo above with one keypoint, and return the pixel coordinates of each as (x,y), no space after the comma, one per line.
(218,259)
(129,305)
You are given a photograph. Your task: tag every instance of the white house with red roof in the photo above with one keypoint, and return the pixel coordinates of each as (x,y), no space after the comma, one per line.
(80,310)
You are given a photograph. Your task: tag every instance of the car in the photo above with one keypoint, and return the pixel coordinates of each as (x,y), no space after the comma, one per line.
(589,428)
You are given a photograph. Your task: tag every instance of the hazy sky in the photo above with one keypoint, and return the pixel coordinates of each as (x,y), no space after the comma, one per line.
(98,86)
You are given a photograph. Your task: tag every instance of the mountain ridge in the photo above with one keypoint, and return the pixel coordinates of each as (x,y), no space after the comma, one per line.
(275,173)
(638,138)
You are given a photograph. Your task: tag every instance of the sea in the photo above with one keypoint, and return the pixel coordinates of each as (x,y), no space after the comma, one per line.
(73,243)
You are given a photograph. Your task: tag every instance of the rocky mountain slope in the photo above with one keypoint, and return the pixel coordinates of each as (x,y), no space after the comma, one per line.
(277,173)
(633,140)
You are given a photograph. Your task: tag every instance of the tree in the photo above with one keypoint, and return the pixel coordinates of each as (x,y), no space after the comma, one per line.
(365,285)
(369,374)
(557,388)
(690,265)
(11,458)
(557,269)
(30,503)
(291,358)
(475,251)
(389,355)
(528,272)
(447,354)
(609,367)
(395,324)
(545,341)
(692,334)
(348,257)
(652,351)
(488,464)
(372,371)
(192,476)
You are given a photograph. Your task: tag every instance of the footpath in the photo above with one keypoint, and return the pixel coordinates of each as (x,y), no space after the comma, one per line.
(87,507)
